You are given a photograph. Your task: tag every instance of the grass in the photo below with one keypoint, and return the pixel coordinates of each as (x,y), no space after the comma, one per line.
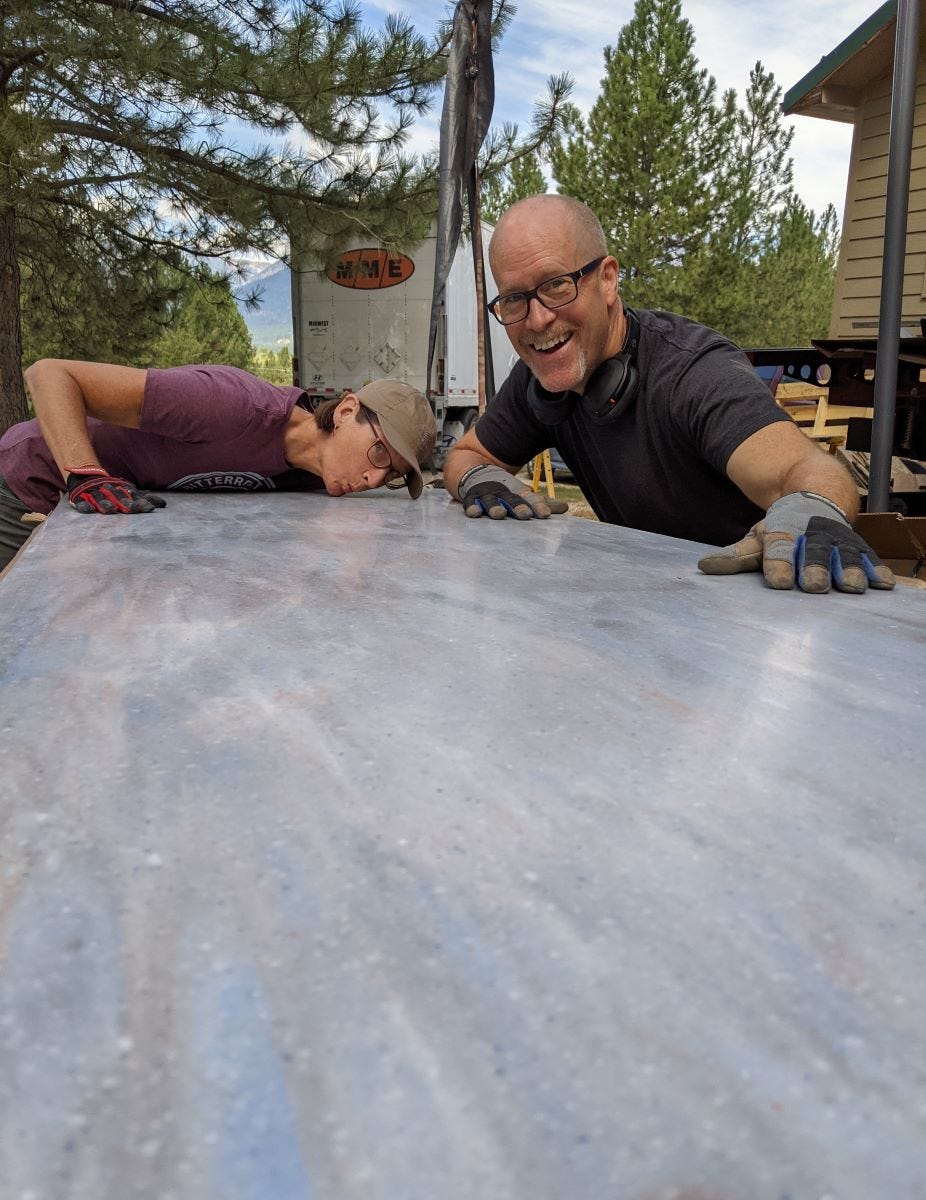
(578,505)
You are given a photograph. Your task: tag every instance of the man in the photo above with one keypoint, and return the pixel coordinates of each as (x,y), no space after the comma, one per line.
(663,422)
(103,433)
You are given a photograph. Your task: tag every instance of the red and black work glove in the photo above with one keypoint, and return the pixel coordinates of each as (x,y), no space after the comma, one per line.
(804,539)
(94,490)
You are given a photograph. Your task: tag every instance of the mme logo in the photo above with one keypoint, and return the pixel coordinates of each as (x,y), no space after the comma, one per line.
(370,268)
(223,481)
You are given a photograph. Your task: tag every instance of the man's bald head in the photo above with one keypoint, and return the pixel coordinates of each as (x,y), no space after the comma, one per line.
(565,217)
(545,239)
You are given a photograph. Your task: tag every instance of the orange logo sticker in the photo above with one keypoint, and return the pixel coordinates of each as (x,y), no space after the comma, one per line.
(370,268)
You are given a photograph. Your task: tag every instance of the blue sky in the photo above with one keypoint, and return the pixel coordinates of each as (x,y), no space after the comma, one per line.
(547,37)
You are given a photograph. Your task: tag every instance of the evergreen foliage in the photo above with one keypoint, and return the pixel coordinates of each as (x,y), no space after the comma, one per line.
(788,286)
(273,365)
(522,177)
(122,152)
(648,159)
(116,119)
(83,297)
(206,327)
(694,192)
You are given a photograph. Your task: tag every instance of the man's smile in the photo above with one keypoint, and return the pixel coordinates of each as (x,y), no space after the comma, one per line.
(548,343)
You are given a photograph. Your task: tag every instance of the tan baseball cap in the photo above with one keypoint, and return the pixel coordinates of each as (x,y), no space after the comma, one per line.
(407,422)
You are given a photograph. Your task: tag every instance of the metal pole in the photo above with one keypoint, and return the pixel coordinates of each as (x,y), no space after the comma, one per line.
(903,94)
(295,291)
(483,342)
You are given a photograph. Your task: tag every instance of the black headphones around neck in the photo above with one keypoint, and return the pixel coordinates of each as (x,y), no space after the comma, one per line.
(610,391)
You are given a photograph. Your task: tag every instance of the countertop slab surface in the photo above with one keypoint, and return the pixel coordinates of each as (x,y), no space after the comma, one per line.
(353,850)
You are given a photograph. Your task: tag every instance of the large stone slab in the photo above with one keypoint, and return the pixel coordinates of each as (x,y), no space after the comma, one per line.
(349,848)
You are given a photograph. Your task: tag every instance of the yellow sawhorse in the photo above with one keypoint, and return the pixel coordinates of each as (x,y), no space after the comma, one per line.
(542,461)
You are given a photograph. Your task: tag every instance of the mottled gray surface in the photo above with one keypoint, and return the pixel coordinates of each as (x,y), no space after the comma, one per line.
(350,849)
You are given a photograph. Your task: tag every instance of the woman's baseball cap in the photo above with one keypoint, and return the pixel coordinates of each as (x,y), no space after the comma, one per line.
(407,422)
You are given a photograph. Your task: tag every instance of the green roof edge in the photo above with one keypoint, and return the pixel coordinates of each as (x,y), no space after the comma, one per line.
(844,51)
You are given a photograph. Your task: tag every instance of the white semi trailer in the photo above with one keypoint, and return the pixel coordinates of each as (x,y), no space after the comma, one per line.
(368,317)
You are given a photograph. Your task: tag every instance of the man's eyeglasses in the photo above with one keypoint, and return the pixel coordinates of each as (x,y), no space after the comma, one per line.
(552,293)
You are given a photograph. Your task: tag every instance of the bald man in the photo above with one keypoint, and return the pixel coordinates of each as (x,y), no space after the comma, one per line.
(663,422)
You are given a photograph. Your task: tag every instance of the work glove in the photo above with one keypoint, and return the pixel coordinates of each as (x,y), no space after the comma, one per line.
(493,492)
(804,537)
(93,490)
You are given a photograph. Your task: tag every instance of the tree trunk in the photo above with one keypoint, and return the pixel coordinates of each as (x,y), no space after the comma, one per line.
(13,406)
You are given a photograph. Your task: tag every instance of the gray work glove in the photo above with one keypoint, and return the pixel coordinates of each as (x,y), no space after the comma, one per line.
(493,492)
(807,537)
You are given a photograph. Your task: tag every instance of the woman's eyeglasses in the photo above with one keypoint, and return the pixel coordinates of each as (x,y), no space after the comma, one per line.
(381,459)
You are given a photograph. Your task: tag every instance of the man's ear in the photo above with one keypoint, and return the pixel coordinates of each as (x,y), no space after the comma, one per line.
(349,407)
(611,277)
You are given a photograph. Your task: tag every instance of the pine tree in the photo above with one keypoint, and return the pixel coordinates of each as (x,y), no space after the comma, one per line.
(273,365)
(792,281)
(523,177)
(694,192)
(207,327)
(648,159)
(114,139)
(758,173)
(76,305)
(754,186)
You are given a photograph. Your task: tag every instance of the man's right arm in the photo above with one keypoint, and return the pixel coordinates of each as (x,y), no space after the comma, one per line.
(468,452)
(486,486)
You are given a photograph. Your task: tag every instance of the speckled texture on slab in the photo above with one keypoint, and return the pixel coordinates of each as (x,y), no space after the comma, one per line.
(351,850)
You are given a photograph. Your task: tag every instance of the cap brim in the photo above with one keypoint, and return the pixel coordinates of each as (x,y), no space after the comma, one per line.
(413,479)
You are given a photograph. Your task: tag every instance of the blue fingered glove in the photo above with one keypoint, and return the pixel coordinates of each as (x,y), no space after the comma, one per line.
(493,492)
(804,538)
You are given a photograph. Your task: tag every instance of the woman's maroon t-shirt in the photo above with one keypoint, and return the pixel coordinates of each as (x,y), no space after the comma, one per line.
(203,428)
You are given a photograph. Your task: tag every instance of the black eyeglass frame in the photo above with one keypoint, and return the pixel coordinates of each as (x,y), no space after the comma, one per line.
(534,293)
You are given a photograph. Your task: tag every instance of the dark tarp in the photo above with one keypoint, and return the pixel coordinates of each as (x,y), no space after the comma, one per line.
(469,96)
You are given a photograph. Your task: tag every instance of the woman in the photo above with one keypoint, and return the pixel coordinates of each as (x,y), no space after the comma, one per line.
(103,433)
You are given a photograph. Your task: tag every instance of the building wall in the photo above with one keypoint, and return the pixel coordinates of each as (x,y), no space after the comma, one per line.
(858,277)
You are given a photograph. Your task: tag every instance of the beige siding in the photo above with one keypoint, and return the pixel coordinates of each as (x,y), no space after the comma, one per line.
(858,289)
(858,276)
(869,188)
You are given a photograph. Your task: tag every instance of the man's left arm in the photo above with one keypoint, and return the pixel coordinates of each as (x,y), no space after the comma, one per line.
(806,536)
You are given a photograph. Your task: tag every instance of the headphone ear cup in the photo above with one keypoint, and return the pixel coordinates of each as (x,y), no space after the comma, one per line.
(612,389)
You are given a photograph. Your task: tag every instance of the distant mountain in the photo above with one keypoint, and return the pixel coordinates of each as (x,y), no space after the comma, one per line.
(271,322)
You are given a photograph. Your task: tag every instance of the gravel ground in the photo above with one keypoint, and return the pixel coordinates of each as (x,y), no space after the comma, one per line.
(578,505)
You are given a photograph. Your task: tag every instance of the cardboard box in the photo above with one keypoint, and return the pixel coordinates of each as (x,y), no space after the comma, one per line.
(899,541)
